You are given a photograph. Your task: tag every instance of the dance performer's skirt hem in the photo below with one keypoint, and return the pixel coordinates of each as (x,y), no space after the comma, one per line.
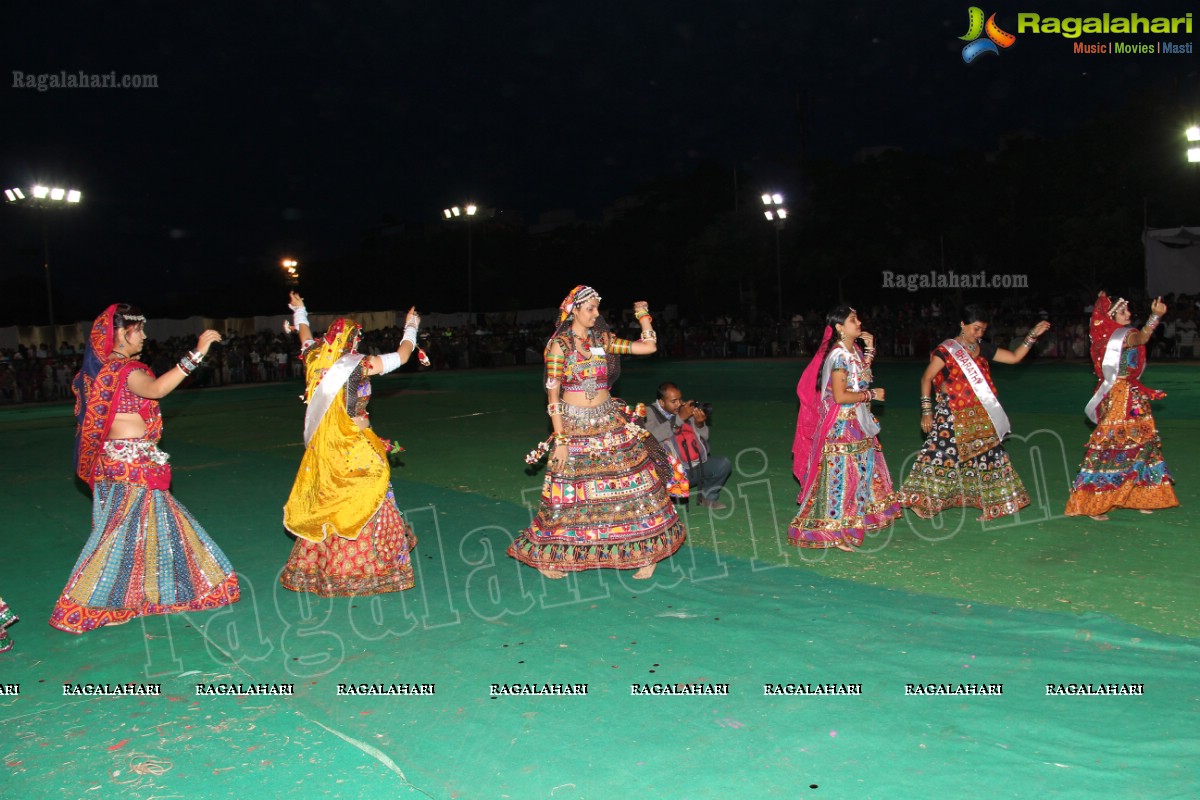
(146,555)
(823,533)
(71,617)
(602,554)
(376,561)
(608,508)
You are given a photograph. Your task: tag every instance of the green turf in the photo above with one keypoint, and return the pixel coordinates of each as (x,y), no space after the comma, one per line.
(1046,600)
(1135,567)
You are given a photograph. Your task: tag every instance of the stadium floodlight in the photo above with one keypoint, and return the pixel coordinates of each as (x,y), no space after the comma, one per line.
(777,214)
(43,198)
(467,213)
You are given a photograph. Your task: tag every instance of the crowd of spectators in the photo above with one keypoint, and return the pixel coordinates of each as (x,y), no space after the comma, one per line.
(904,330)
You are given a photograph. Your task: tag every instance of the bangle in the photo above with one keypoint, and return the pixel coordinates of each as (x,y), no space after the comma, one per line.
(1030,340)
(555,409)
(638,313)
(410,336)
(186,365)
(196,357)
(391,361)
(1152,323)
(299,316)
(649,335)
(560,439)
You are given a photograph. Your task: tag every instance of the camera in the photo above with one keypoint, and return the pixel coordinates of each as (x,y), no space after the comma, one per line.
(707,408)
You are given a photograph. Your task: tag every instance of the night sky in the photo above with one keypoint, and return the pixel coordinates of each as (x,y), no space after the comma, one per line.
(289,128)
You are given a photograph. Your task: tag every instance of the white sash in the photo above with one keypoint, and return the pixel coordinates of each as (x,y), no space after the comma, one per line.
(979,385)
(1109,369)
(868,423)
(326,392)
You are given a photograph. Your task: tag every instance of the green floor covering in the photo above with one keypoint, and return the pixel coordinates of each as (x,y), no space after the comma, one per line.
(1048,600)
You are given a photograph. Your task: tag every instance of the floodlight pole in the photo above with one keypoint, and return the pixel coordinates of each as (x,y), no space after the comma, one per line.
(46,269)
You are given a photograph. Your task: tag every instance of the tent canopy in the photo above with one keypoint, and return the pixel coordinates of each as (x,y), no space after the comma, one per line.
(1172,260)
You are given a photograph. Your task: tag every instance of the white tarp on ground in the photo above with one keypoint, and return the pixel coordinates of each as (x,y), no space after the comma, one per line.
(1172,260)
(76,332)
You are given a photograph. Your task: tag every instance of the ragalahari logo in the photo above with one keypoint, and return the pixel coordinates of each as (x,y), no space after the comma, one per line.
(976,27)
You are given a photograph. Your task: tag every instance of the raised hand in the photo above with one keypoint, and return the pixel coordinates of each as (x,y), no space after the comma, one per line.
(206,341)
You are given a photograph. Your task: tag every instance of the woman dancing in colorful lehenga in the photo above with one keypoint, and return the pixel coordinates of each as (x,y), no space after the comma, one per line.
(605,499)
(146,554)
(1123,466)
(350,537)
(963,462)
(846,491)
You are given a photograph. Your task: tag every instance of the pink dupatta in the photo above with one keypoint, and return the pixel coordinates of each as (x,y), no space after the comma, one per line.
(814,420)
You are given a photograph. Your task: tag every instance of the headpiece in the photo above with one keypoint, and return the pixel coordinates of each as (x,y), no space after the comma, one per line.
(1121,303)
(343,329)
(102,339)
(89,433)
(340,339)
(1102,326)
(576,297)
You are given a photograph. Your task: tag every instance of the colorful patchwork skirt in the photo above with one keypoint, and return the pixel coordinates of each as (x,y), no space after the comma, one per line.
(962,464)
(852,495)
(1123,466)
(7,617)
(377,560)
(609,507)
(146,555)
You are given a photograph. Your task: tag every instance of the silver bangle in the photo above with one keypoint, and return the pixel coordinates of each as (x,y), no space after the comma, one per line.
(410,336)
(299,316)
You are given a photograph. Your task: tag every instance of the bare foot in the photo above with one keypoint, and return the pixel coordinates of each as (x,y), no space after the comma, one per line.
(1099,517)
(644,573)
(553,574)
(1145,511)
(844,546)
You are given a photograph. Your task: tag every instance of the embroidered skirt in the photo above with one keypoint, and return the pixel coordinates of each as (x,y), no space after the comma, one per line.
(146,554)
(1123,466)
(378,560)
(852,495)
(608,508)
(962,464)
(7,617)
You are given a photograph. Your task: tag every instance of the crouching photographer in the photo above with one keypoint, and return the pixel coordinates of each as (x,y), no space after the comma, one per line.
(681,426)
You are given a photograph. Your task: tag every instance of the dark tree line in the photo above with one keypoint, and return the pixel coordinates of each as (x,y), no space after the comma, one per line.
(1067,212)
